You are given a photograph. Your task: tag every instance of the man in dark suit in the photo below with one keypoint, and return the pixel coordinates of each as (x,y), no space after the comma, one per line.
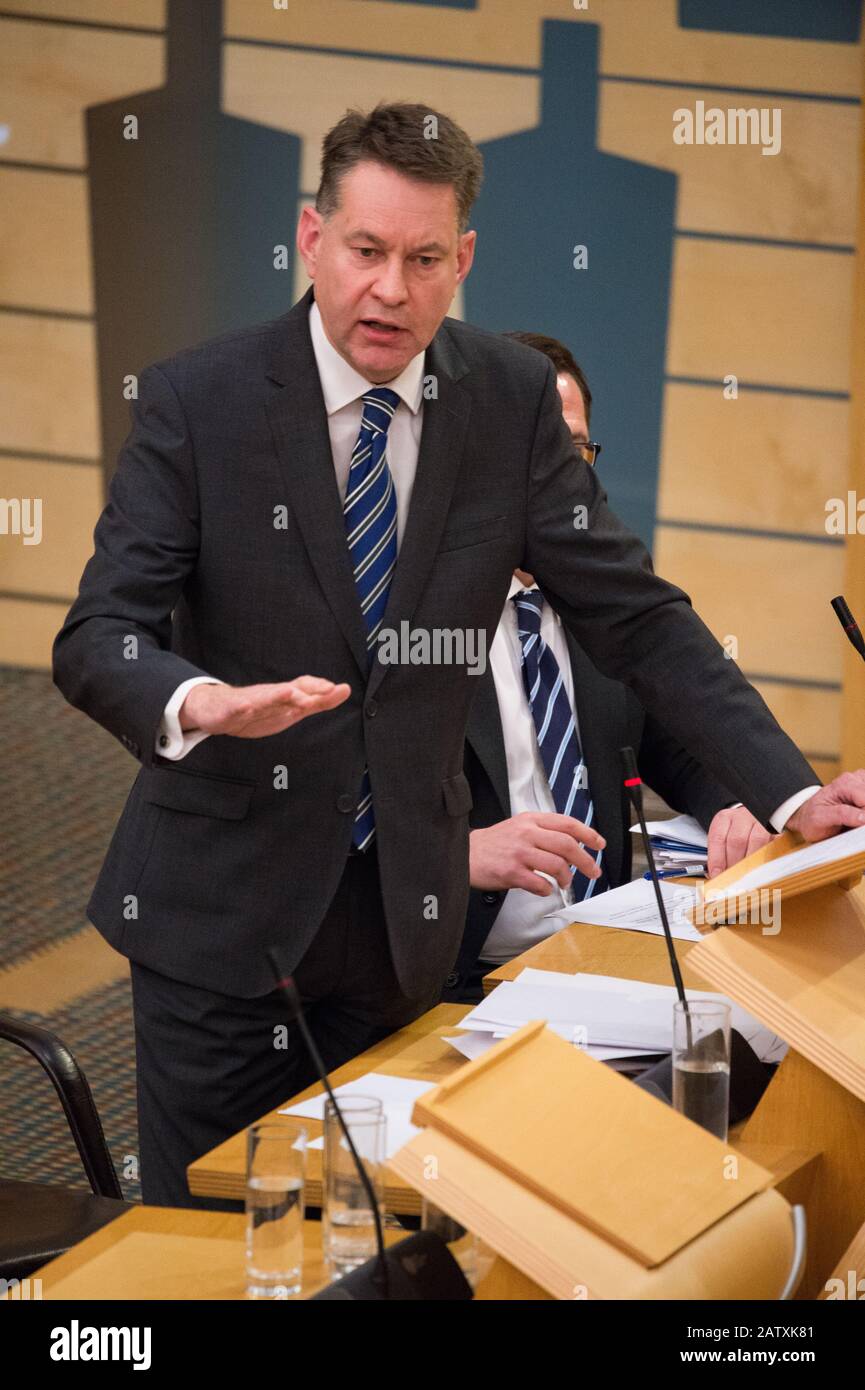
(512,800)
(320,821)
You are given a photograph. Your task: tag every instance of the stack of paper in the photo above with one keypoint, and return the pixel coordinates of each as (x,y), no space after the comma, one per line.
(634,907)
(609,1018)
(396,1093)
(678,844)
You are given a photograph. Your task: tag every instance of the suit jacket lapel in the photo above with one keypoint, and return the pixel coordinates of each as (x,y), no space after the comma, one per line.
(445,424)
(298,421)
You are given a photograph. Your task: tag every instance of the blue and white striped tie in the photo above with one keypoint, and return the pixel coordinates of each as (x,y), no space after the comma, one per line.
(370,523)
(556,729)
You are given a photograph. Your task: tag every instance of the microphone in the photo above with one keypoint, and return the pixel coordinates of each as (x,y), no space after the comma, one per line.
(419,1267)
(634,788)
(748,1075)
(849,624)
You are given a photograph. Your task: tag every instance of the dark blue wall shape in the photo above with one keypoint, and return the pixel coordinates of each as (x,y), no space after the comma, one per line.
(835,21)
(185,218)
(547,190)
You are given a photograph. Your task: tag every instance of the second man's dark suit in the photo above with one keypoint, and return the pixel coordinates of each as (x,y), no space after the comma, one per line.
(609,718)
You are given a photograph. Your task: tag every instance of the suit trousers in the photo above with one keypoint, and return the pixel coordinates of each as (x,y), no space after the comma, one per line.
(208,1064)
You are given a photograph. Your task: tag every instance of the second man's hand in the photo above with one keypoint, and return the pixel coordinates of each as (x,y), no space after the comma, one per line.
(510,854)
(255,711)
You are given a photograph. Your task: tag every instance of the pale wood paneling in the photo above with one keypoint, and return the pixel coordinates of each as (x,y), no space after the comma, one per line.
(71,498)
(811,717)
(49,75)
(640,38)
(799,194)
(143,14)
(307,93)
(45,253)
(853,720)
(764,461)
(763,313)
(27,632)
(48,391)
(772,596)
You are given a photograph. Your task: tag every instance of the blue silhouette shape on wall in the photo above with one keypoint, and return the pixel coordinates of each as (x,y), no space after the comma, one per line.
(835,21)
(548,190)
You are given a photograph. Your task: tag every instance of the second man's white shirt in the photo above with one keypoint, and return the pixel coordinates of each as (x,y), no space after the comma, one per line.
(520,924)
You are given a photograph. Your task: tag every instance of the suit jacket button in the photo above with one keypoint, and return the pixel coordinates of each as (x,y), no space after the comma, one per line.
(491,897)
(345,802)
(371,709)
(163,740)
(452,981)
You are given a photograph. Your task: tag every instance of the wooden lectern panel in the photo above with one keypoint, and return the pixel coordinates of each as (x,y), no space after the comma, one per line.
(591,1144)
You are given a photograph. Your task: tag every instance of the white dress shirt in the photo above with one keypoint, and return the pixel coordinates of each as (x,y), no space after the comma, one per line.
(520,923)
(342,388)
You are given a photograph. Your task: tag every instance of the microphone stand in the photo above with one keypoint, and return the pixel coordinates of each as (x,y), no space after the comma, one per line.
(380,1277)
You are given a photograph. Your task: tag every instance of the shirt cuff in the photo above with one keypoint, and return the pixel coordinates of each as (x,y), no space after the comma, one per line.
(786,809)
(172,741)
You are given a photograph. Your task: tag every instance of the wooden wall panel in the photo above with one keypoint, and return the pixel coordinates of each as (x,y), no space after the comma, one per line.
(764,461)
(143,14)
(811,717)
(71,498)
(641,38)
(323,85)
(853,741)
(45,254)
(50,73)
(27,632)
(48,386)
(766,314)
(772,595)
(798,194)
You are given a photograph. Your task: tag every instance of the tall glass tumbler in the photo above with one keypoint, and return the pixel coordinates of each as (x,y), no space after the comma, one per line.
(348,1220)
(701,1063)
(275,1172)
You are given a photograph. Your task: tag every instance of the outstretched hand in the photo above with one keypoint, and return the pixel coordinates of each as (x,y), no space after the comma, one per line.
(255,711)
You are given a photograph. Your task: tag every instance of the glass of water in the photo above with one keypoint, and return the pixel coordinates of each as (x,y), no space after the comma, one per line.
(348,1220)
(275,1170)
(701,1063)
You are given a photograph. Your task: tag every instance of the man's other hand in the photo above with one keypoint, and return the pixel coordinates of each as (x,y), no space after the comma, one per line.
(254,711)
(733,834)
(838,806)
(508,855)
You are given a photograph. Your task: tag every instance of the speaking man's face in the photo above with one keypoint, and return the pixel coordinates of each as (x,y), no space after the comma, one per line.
(385,266)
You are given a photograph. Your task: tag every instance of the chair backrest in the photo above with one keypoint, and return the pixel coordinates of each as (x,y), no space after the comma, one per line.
(70,1083)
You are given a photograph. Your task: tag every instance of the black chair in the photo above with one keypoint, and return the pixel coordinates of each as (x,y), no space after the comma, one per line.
(39,1221)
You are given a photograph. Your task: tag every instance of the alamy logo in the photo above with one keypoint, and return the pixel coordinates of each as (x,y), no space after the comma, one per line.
(21,516)
(737,125)
(77,1343)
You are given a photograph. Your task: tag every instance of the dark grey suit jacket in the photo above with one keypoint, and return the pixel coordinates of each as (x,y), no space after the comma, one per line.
(213,861)
(610,718)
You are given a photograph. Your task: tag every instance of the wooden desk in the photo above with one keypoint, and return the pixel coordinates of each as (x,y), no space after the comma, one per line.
(631,955)
(419,1052)
(416,1051)
(170,1253)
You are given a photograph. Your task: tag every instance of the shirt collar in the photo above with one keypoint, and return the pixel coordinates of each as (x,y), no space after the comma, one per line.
(517,587)
(341,384)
